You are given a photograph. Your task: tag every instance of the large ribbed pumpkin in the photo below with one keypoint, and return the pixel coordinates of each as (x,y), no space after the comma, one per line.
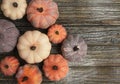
(42,13)
(34,46)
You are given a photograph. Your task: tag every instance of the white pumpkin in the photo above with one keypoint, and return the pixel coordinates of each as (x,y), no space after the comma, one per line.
(34,46)
(14,9)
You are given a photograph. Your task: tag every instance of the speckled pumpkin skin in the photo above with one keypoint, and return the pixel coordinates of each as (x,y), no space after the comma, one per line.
(55,67)
(57,33)
(29,74)
(9,65)
(74,48)
(8,36)
(42,13)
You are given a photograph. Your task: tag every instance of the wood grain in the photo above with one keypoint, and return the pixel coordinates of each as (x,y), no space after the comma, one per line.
(98,22)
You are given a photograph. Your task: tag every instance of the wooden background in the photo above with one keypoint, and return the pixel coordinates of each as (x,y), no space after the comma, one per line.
(98,22)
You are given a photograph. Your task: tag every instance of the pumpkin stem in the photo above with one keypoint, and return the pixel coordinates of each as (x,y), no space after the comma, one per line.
(25,78)
(55,67)
(6,66)
(15,4)
(75,48)
(56,32)
(32,47)
(40,9)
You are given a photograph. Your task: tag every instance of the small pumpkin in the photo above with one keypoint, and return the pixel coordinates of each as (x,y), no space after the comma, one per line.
(14,9)
(8,36)
(74,48)
(55,67)
(9,65)
(29,74)
(42,13)
(34,46)
(57,33)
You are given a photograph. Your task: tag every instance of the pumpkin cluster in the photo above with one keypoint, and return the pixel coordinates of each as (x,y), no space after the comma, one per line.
(34,46)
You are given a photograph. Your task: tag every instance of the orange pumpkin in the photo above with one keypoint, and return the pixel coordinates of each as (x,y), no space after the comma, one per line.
(29,74)
(9,65)
(57,33)
(42,13)
(55,67)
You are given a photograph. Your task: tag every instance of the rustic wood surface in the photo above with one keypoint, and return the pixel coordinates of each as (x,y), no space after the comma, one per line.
(98,22)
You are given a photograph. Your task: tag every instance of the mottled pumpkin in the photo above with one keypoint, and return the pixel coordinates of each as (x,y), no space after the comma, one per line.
(8,36)
(74,48)
(42,13)
(9,65)
(57,33)
(29,74)
(14,9)
(55,67)
(34,46)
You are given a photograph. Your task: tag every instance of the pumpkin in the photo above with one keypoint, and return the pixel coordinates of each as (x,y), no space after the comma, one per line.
(57,33)
(74,48)
(8,36)
(9,65)
(29,74)
(34,46)
(55,67)
(14,9)
(42,13)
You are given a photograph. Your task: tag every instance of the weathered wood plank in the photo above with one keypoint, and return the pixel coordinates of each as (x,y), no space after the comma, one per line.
(87,12)
(93,35)
(96,56)
(84,75)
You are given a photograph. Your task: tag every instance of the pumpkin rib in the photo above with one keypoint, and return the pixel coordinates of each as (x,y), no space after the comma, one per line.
(30,59)
(43,24)
(36,24)
(6,13)
(55,17)
(36,35)
(37,57)
(55,6)
(23,54)
(28,35)
(24,41)
(31,16)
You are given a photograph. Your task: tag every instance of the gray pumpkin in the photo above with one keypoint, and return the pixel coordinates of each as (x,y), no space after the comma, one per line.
(8,36)
(74,48)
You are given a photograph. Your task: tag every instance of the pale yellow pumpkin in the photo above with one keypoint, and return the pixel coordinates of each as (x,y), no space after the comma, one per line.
(34,46)
(14,9)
